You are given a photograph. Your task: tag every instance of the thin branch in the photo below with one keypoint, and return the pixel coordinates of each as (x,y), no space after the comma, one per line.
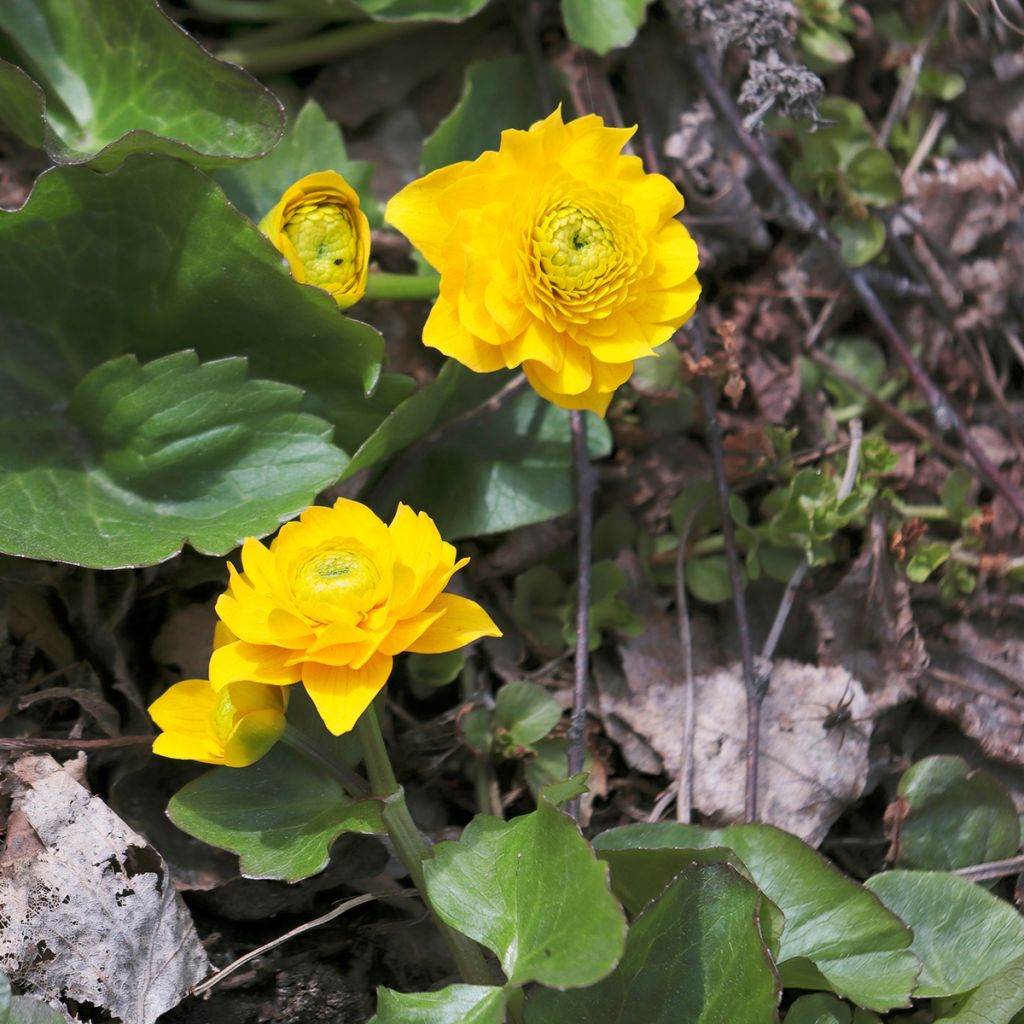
(793,586)
(216,979)
(584,479)
(45,743)
(905,90)
(993,869)
(754,686)
(944,415)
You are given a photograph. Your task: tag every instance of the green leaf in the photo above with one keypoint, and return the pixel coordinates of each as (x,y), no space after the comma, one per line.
(954,817)
(547,767)
(997,1001)
(145,458)
(123,78)
(603,25)
(861,239)
(25,1009)
(608,610)
(942,85)
(837,935)
(860,358)
(955,491)
(280,815)
(821,1008)
(526,711)
(694,955)
(962,933)
(873,176)
(926,559)
(21,104)
(497,95)
(310,143)
(538,604)
(531,891)
(696,507)
(708,578)
(433,670)
(456,1004)
(500,471)
(824,49)
(142,261)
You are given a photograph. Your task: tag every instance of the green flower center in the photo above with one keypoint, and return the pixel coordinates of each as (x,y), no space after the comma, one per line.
(327,244)
(575,249)
(347,579)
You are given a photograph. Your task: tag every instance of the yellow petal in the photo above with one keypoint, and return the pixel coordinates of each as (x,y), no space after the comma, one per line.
(444,331)
(188,747)
(342,694)
(463,622)
(593,400)
(416,212)
(407,632)
(242,662)
(255,733)
(185,707)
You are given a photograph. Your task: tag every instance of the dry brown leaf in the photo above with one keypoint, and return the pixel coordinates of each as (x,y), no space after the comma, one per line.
(809,773)
(89,912)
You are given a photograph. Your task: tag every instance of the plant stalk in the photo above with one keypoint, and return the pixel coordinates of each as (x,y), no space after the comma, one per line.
(410,845)
(584,479)
(414,287)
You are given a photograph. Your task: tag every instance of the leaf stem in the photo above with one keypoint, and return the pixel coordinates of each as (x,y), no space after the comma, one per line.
(414,287)
(584,478)
(317,49)
(410,844)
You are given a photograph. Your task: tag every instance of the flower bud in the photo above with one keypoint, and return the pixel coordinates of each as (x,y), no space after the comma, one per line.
(323,234)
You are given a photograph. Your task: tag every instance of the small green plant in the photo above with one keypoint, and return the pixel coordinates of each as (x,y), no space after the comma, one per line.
(841,164)
(822,37)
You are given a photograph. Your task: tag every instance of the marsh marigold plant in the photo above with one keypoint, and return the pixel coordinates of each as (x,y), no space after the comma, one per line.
(334,598)
(320,229)
(556,253)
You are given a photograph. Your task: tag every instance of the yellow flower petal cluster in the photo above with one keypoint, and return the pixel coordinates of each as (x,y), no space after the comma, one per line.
(556,253)
(234,726)
(334,598)
(323,234)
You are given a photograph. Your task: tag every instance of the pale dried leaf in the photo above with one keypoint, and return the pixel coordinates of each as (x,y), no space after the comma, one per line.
(91,914)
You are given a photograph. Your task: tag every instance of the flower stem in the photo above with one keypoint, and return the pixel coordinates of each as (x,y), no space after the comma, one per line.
(299,742)
(415,287)
(584,477)
(410,845)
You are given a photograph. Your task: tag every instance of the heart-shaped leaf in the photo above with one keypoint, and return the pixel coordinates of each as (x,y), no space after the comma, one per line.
(603,25)
(122,78)
(532,892)
(837,935)
(694,955)
(280,815)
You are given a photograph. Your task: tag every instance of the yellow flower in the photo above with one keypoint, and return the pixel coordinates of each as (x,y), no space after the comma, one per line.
(323,234)
(335,598)
(235,726)
(556,253)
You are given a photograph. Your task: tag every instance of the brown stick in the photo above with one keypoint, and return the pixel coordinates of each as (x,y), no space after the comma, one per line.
(47,743)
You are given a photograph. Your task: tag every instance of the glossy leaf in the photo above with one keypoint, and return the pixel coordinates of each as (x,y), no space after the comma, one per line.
(497,94)
(389,10)
(999,1000)
(280,815)
(837,935)
(822,1008)
(146,457)
(861,239)
(122,78)
(310,143)
(603,25)
(531,891)
(499,471)
(962,933)
(456,1004)
(694,955)
(954,817)
(148,260)
(708,578)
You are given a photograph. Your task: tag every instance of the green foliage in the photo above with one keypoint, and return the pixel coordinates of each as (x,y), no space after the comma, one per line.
(388,10)
(837,936)
(998,1000)
(824,25)
(842,162)
(603,25)
(497,95)
(962,933)
(429,671)
(280,815)
(141,260)
(310,143)
(25,1009)
(93,104)
(523,714)
(822,1008)
(953,817)
(695,954)
(608,610)
(456,1004)
(562,927)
